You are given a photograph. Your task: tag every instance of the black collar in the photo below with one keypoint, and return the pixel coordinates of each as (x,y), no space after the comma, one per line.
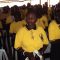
(28,27)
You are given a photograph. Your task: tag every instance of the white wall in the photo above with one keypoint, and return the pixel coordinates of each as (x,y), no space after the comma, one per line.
(43,1)
(33,2)
(53,2)
(14,3)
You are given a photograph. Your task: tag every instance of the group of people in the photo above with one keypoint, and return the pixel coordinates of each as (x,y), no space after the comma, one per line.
(30,29)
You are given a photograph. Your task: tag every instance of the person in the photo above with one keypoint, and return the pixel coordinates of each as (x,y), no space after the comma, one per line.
(43,22)
(31,38)
(54,37)
(43,19)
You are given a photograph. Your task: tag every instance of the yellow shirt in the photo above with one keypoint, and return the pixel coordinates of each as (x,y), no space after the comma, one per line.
(15,26)
(9,19)
(54,31)
(23,22)
(43,22)
(30,40)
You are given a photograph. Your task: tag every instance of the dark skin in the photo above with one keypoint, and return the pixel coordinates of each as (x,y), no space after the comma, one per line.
(31,20)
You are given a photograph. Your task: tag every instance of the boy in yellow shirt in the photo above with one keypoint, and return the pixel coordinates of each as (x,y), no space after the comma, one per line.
(31,38)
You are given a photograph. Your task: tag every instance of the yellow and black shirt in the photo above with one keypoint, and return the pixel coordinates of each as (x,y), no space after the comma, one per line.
(30,40)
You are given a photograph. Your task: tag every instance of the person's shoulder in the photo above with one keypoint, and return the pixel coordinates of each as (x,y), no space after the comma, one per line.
(44,16)
(39,28)
(22,29)
(20,32)
(12,24)
(52,22)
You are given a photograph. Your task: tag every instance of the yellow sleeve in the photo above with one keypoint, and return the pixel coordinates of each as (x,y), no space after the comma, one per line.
(52,31)
(44,22)
(44,37)
(18,40)
(40,23)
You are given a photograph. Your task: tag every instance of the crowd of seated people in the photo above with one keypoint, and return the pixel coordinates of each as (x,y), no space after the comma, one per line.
(13,19)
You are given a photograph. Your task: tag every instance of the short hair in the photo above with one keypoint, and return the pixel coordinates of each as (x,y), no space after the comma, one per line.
(32,11)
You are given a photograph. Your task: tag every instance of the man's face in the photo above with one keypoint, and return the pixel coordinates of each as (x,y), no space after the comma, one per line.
(31,19)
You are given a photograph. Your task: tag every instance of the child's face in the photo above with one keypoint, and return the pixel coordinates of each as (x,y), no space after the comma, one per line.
(31,19)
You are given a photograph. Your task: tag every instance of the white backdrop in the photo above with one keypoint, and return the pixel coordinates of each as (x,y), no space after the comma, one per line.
(33,2)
